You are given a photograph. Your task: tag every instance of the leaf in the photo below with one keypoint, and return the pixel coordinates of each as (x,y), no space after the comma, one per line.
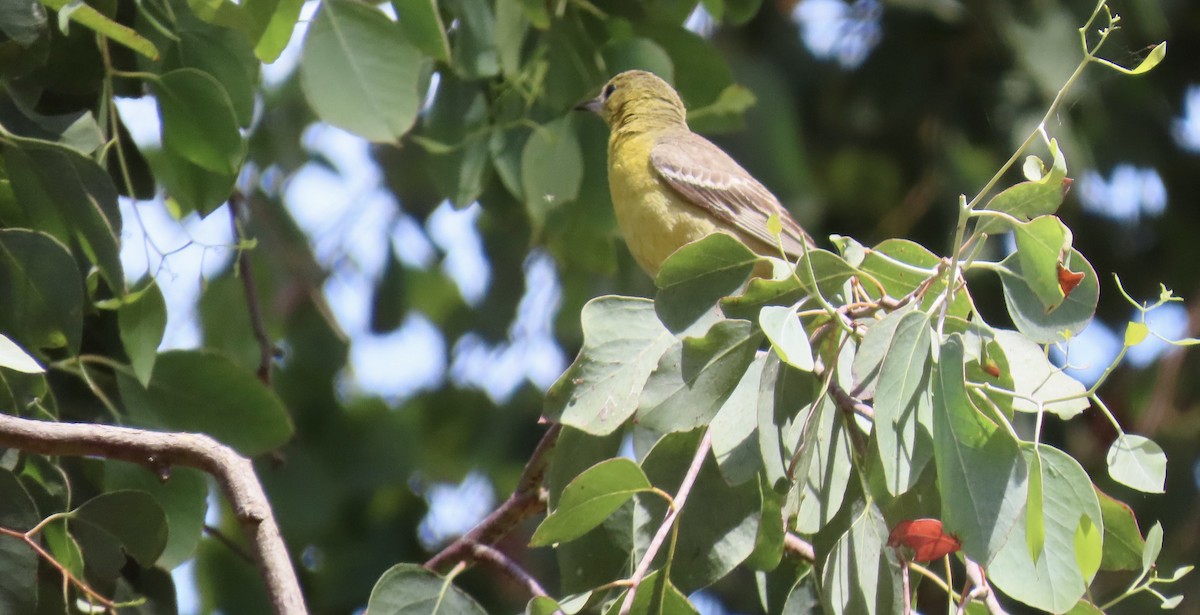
(190,186)
(96,21)
(712,540)
(142,321)
(409,588)
(183,499)
(903,406)
(980,472)
(1070,554)
(622,343)
(225,55)
(589,499)
(198,120)
(458,117)
(1147,64)
(1023,201)
(18,563)
(694,378)
(1040,242)
(1123,543)
(827,466)
(901,266)
(473,46)
(1137,462)
(206,393)
(785,399)
(133,518)
(69,196)
(43,296)
(359,72)
(1135,333)
(1153,547)
(23,22)
(551,169)
(654,596)
(638,53)
(422,23)
(872,350)
(278,31)
(15,358)
(859,574)
(1034,377)
(697,275)
(787,336)
(734,428)
(1029,314)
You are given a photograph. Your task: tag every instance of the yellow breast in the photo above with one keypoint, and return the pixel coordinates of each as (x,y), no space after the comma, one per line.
(654,219)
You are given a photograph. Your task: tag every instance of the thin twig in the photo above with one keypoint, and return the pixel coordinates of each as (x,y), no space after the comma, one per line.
(27,538)
(685,488)
(505,564)
(228,543)
(983,589)
(797,546)
(527,500)
(266,348)
(156,450)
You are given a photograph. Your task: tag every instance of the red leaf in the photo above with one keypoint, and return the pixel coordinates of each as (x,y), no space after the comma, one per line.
(1068,280)
(925,538)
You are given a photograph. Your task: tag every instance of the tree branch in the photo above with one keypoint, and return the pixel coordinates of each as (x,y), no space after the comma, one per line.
(798,547)
(266,348)
(526,501)
(685,488)
(504,563)
(27,538)
(158,450)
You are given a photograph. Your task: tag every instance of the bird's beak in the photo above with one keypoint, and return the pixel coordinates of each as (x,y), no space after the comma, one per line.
(592,105)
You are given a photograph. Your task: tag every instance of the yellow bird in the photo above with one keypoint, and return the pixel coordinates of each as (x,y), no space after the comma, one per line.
(671,186)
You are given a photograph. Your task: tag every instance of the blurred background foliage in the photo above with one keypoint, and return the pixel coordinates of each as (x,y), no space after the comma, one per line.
(424,287)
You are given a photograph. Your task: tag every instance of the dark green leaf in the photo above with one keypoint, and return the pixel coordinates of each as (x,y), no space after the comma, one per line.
(638,53)
(192,187)
(198,120)
(473,45)
(409,588)
(1040,242)
(133,518)
(207,393)
(23,22)
(43,305)
(226,56)
(551,169)
(1123,543)
(18,563)
(359,72)
(183,498)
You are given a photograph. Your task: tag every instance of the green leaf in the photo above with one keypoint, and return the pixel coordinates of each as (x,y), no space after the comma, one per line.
(1137,462)
(1035,378)
(23,22)
(733,429)
(457,118)
(1070,553)
(900,266)
(409,588)
(785,399)
(96,21)
(638,53)
(278,31)
(207,393)
(589,499)
(1123,543)
(68,195)
(697,275)
(536,13)
(827,465)
(787,336)
(223,54)
(359,72)
(622,342)
(18,563)
(183,500)
(905,367)
(190,186)
(980,472)
(43,296)
(1153,547)
(512,25)
(77,130)
(1023,201)
(15,358)
(473,46)
(1035,514)
(828,271)
(872,350)
(422,23)
(655,595)
(1040,242)
(694,378)
(551,169)
(860,574)
(1030,315)
(1147,64)
(738,12)
(198,120)
(713,540)
(142,321)
(133,518)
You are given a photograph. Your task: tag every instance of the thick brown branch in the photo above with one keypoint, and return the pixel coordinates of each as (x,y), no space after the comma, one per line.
(526,501)
(266,348)
(156,450)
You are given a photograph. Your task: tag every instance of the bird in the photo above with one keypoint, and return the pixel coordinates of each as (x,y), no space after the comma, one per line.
(671,186)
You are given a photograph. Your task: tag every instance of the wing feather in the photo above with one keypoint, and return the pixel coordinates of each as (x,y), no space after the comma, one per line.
(708,178)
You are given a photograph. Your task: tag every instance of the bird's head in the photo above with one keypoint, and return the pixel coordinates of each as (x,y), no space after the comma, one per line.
(637,94)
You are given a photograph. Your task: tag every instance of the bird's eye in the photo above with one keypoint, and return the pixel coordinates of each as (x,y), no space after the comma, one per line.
(608,90)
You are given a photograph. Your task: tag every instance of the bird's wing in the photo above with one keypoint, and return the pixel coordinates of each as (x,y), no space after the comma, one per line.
(708,178)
